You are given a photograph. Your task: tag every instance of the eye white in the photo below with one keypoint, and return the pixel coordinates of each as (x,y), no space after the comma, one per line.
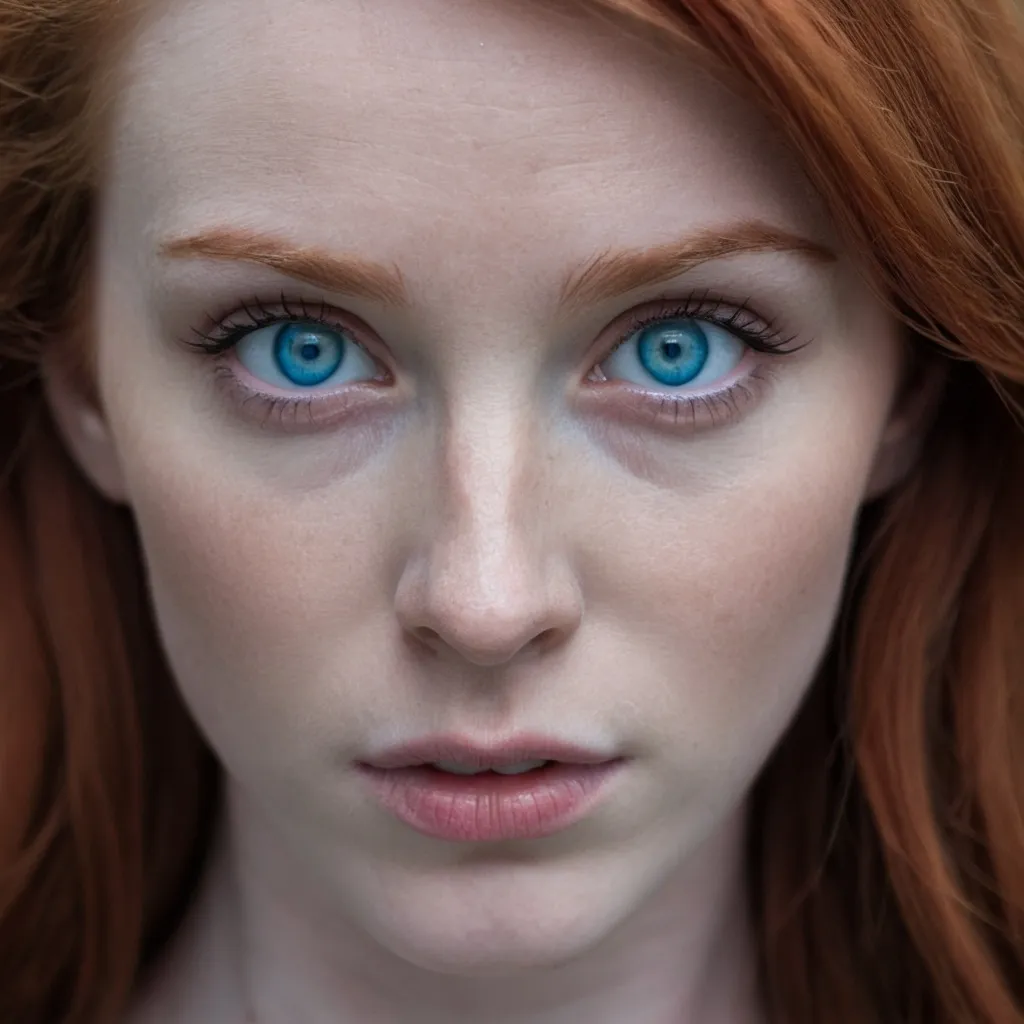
(725,352)
(257,353)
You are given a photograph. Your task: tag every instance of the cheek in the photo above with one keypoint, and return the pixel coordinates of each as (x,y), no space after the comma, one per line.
(257,566)
(731,574)
(730,608)
(255,591)
(773,564)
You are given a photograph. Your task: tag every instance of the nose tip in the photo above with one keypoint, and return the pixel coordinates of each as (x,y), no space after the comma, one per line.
(486,578)
(488,612)
(488,648)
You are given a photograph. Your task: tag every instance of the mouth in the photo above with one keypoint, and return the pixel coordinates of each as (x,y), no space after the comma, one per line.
(462,790)
(512,756)
(519,768)
(490,805)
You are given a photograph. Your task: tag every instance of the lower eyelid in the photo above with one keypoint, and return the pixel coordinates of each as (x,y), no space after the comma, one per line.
(744,368)
(301,411)
(248,381)
(623,400)
(229,361)
(679,411)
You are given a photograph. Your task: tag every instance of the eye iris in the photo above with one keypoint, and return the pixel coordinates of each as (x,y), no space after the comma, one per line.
(307,355)
(673,353)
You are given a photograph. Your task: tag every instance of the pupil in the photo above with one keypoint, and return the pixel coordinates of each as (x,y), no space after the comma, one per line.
(674,355)
(310,351)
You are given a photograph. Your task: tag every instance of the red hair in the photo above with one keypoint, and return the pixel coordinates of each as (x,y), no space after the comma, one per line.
(887,848)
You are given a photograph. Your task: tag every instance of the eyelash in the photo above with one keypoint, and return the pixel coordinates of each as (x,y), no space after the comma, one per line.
(760,335)
(215,344)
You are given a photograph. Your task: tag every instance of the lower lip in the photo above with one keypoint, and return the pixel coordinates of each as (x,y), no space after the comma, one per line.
(489,807)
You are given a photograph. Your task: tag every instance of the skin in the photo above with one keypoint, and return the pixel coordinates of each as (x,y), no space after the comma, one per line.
(495,543)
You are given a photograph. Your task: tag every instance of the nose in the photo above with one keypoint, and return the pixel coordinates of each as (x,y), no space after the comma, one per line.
(491,584)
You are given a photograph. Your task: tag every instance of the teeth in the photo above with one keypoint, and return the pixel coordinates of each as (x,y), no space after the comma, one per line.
(512,769)
(455,769)
(518,769)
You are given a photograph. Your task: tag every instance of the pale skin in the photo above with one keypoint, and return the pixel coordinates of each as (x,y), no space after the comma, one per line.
(489,538)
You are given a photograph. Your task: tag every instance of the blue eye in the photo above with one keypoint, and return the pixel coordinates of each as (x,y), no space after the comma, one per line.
(303,355)
(307,356)
(676,352)
(673,354)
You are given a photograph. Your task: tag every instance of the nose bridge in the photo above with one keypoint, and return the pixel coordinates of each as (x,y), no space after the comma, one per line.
(489,582)
(490,474)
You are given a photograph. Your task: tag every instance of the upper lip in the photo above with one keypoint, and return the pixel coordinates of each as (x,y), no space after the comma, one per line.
(474,754)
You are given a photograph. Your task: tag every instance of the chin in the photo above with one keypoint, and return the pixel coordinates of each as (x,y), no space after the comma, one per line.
(488,920)
(498,950)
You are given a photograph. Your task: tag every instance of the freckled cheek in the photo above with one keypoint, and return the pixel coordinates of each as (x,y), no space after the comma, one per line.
(739,611)
(776,607)
(253,593)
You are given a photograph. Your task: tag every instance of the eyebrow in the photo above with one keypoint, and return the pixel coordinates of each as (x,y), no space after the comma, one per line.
(608,274)
(343,273)
(612,273)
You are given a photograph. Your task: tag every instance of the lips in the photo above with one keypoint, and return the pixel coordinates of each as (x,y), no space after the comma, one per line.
(491,807)
(415,783)
(478,755)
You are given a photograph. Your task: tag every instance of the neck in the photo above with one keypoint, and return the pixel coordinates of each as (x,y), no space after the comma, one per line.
(259,948)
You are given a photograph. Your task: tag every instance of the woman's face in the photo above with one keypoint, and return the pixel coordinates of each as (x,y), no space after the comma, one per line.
(454,506)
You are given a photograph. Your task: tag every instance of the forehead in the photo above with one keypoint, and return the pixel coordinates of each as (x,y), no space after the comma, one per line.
(459,118)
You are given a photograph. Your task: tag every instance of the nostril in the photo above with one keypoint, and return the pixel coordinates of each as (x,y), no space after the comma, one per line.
(426,638)
(430,641)
(545,640)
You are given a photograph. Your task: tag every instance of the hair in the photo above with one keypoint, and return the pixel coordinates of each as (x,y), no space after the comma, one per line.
(886,858)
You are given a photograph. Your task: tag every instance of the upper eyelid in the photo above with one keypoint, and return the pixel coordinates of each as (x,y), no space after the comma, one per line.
(644,403)
(227,324)
(698,305)
(227,331)
(758,332)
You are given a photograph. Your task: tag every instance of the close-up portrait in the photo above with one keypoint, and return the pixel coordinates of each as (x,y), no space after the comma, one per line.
(511,512)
